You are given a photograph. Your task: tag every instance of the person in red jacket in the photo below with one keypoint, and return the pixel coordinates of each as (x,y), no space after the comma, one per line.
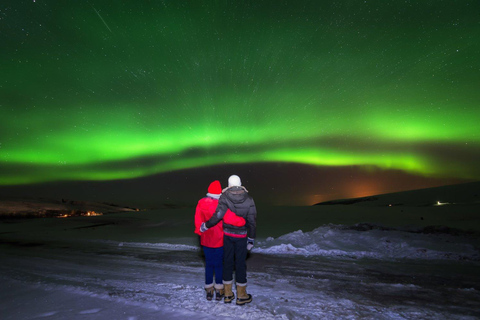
(212,239)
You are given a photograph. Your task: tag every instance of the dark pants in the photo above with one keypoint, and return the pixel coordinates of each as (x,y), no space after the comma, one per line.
(234,256)
(213,264)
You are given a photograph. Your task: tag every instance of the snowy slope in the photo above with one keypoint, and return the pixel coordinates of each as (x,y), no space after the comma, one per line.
(321,262)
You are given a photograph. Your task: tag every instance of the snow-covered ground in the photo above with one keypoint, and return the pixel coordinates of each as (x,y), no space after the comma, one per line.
(347,264)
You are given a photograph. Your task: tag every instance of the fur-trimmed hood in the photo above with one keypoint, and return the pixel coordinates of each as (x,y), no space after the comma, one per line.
(227,188)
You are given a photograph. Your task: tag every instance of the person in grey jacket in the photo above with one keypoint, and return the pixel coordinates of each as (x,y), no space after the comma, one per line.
(237,240)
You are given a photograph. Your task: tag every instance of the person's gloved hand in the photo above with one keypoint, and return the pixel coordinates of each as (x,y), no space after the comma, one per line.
(250,243)
(203,227)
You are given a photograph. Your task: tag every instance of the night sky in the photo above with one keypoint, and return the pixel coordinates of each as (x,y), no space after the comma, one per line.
(306,100)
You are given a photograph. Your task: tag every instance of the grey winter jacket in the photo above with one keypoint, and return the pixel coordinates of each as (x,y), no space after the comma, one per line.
(239,201)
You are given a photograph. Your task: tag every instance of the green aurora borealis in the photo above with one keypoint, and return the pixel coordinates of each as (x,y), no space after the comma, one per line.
(103,90)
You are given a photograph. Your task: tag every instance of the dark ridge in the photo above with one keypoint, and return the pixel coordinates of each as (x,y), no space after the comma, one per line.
(347,201)
(459,194)
(95,225)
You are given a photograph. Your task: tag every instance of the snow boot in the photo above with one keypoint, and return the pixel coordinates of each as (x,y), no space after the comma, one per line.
(229,296)
(210,292)
(242,296)
(219,292)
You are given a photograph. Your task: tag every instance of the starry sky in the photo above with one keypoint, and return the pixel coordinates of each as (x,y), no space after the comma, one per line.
(327,99)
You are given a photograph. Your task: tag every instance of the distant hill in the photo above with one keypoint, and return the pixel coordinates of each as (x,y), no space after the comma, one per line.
(35,208)
(466,193)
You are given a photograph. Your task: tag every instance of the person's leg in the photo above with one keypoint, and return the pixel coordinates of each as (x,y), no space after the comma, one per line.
(218,265)
(241,271)
(228,263)
(219,287)
(240,261)
(209,267)
(228,258)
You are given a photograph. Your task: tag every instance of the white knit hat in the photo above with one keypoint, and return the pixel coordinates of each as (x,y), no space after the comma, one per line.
(234,181)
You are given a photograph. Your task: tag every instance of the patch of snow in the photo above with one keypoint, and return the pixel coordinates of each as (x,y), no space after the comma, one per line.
(90,311)
(342,241)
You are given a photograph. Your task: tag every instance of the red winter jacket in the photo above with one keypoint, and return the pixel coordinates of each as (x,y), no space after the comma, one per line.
(213,237)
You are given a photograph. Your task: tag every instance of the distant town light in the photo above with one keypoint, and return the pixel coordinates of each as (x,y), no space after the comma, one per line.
(80,214)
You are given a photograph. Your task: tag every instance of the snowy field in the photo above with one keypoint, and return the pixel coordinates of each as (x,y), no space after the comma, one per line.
(323,262)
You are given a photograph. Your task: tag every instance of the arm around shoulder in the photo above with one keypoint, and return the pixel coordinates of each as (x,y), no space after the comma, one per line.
(218,215)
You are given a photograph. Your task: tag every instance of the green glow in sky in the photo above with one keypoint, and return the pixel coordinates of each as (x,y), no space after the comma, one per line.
(103,90)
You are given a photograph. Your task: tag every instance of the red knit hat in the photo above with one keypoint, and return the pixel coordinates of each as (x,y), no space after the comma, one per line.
(215,187)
